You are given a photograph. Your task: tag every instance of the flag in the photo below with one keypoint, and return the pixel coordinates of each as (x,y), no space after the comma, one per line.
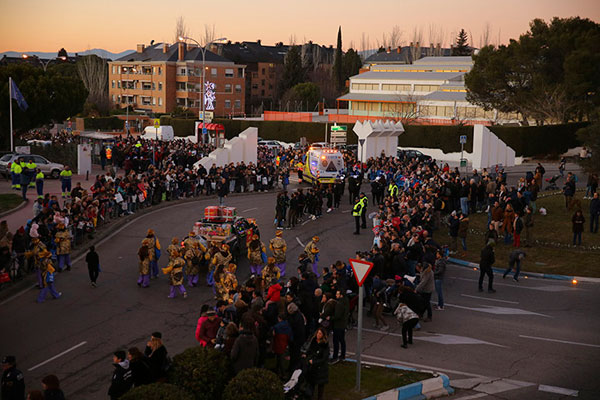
(16,94)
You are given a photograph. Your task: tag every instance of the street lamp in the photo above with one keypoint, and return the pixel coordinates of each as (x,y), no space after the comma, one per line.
(127,99)
(44,64)
(203,50)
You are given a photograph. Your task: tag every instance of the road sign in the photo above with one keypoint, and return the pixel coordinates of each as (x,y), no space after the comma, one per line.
(337,128)
(463,139)
(157,122)
(361,269)
(361,141)
(463,162)
(204,131)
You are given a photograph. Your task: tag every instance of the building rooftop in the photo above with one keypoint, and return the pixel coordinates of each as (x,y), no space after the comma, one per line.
(447,60)
(445,96)
(406,76)
(379,97)
(156,53)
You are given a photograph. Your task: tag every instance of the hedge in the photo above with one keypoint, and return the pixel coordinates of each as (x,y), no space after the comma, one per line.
(201,371)
(442,137)
(254,384)
(65,154)
(103,123)
(157,391)
(181,127)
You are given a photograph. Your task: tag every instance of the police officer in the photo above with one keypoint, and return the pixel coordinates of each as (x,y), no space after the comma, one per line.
(65,179)
(393,189)
(363,212)
(13,382)
(356,212)
(16,168)
(39,183)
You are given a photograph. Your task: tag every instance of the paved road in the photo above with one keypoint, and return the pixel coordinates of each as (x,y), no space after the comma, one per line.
(502,337)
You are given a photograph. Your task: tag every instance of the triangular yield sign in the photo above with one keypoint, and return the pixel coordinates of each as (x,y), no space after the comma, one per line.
(361,270)
(331,167)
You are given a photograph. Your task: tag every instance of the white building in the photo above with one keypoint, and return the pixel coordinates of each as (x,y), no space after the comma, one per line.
(431,90)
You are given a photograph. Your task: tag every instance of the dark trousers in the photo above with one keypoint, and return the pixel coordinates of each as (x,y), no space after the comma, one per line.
(363,217)
(93,273)
(427,298)
(594,223)
(339,338)
(357,222)
(482,273)
(295,355)
(577,238)
(407,330)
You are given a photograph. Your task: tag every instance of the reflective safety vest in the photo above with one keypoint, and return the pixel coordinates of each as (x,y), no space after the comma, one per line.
(364,201)
(65,175)
(108,153)
(277,160)
(393,189)
(39,176)
(16,168)
(31,166)
(357,209)
(138,145)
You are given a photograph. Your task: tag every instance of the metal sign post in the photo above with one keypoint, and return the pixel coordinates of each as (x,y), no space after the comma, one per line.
(463,162)
(362,142)
(361,270)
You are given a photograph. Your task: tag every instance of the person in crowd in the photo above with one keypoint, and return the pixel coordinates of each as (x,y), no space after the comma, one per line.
(312,252)
(47,271)
(426,286)
(594,212)
(156,353)
(244,353)
(278,247)
(12,385)
(153,252)
(93,263)
(515,258)
(439,272)
(51,387)
(144,264)
(488,258)
(256,249)
(463,230)
(209,328)
(122,378)
(63,247)
(140,367)
(316,357)
(409,319)
(578,221)
(340,323)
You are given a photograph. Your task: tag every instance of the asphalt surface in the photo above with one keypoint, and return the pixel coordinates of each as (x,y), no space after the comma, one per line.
(531,333)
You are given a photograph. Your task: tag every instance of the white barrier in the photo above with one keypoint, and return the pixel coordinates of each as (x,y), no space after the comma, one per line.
(379,137)
(241,148)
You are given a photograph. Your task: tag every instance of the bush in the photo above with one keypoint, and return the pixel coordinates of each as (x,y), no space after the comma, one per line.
(157,391)
(201,371)
(103,123)
(254,384)
(181,127)
(64,154)
(530,141)
(442,137)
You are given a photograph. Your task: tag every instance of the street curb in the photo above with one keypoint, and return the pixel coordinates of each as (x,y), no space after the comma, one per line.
(469,264)
(17,208)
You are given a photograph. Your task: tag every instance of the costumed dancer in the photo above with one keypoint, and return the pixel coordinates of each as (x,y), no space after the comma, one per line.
(144,263)
(154,252)
(271,273)
(175,271)
(63,250)
(219,277)
(312,252)
(189,241)
(230,281)
(47,277)
(256,249)
(37,248)
(279,247)
(222,257)
(173,249)
(194,258)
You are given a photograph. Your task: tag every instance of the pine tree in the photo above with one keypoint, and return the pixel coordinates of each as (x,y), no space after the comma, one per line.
(293,72)
(462,47)
(62,53)
(338,68)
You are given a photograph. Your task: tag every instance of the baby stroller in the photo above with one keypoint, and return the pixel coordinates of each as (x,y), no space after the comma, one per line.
(552,183)
(297,388)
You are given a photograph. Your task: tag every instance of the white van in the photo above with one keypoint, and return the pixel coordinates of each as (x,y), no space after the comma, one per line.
(164,132)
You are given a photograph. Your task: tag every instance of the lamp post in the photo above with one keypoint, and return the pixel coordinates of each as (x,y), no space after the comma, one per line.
(203,50)
(127,100)
(43,64)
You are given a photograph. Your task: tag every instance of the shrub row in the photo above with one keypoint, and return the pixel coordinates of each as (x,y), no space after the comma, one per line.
(65,154)
(103,123)
(181,127)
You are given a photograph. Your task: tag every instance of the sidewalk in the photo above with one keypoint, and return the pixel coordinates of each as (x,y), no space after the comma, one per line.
(52,186)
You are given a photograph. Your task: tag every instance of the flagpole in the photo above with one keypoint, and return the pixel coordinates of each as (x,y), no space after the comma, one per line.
(10,107)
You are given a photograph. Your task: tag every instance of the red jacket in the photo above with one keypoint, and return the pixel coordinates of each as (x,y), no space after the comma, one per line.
(274,293)
(200,321)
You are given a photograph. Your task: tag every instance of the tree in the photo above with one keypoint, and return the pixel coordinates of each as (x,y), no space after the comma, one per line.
(293,72)
(338,69)
(181,30)
(351,63)
(461,47)
(551,74)
(303,96)
(93,71)
(590,137)
(62,53)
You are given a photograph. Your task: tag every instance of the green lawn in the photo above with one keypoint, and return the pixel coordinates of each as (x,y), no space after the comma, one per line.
(342,380)
(554,253)
(9,201)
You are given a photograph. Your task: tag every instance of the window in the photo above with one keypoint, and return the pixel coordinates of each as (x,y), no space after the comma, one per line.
(395,88)
(262,82)
(160,70)
(365,86)
(238,104)
(270,86)
(263,71)
(181,71)
(154,101)
(113,84)
(262,92)
(426,88)
(159,85)
(229,73)
(119,84)
(213,71)
(227,103)
(160,101)
(113,69)
(240,72)
(227,88)
(153,86)
(255,74)
(255,86)
(238,88)
(113,98)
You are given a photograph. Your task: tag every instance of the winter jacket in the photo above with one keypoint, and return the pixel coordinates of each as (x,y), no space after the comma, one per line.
(595,207)
(403,313)
(282,336)
(426,285)
(318,370)
(198,326)
(121,381)
(487,258)
(440,269)
(208,330)
(158,361)
(140,370)
(413,301)
(341,313)
(244,353)
(463,227)
(578,221)
(454,226)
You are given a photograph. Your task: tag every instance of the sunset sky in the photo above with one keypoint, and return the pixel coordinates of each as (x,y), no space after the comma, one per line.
(117,25)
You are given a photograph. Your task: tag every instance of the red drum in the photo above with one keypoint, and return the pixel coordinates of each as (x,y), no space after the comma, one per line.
(212,213)
(228,213)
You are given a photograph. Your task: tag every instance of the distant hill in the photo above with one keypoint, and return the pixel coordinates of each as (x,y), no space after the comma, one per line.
(47,55)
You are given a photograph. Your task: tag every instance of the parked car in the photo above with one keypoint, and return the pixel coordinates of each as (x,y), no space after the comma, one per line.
(47,167)
(410,154)
(271,144)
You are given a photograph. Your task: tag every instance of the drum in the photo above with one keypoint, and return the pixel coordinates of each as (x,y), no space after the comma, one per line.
(212,213)
(228,213)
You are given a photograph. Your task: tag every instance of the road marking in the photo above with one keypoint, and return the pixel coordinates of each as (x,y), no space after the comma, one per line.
(560,341)
(548,288)
(490,299)
(22,292)
(441,338)
(499,310)
(250,209)
(559,390)
(473,396)
(299,242)
(346,211)
(306,222)
(57,356)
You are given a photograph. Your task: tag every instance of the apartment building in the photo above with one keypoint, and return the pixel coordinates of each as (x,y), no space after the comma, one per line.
(161,77)
(430,90)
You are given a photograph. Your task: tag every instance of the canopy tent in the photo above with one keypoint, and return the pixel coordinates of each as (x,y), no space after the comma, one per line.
(210,127)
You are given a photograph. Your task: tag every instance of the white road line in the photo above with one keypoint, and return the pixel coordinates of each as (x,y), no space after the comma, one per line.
(559,390)
(299,242)
(546,288)
(56,356)
(498,310)
(560,341)
(250,209)
(473,396)
(441,338)
(422,366)
(22,292)
(306,222)
(346,211)
(490,299)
